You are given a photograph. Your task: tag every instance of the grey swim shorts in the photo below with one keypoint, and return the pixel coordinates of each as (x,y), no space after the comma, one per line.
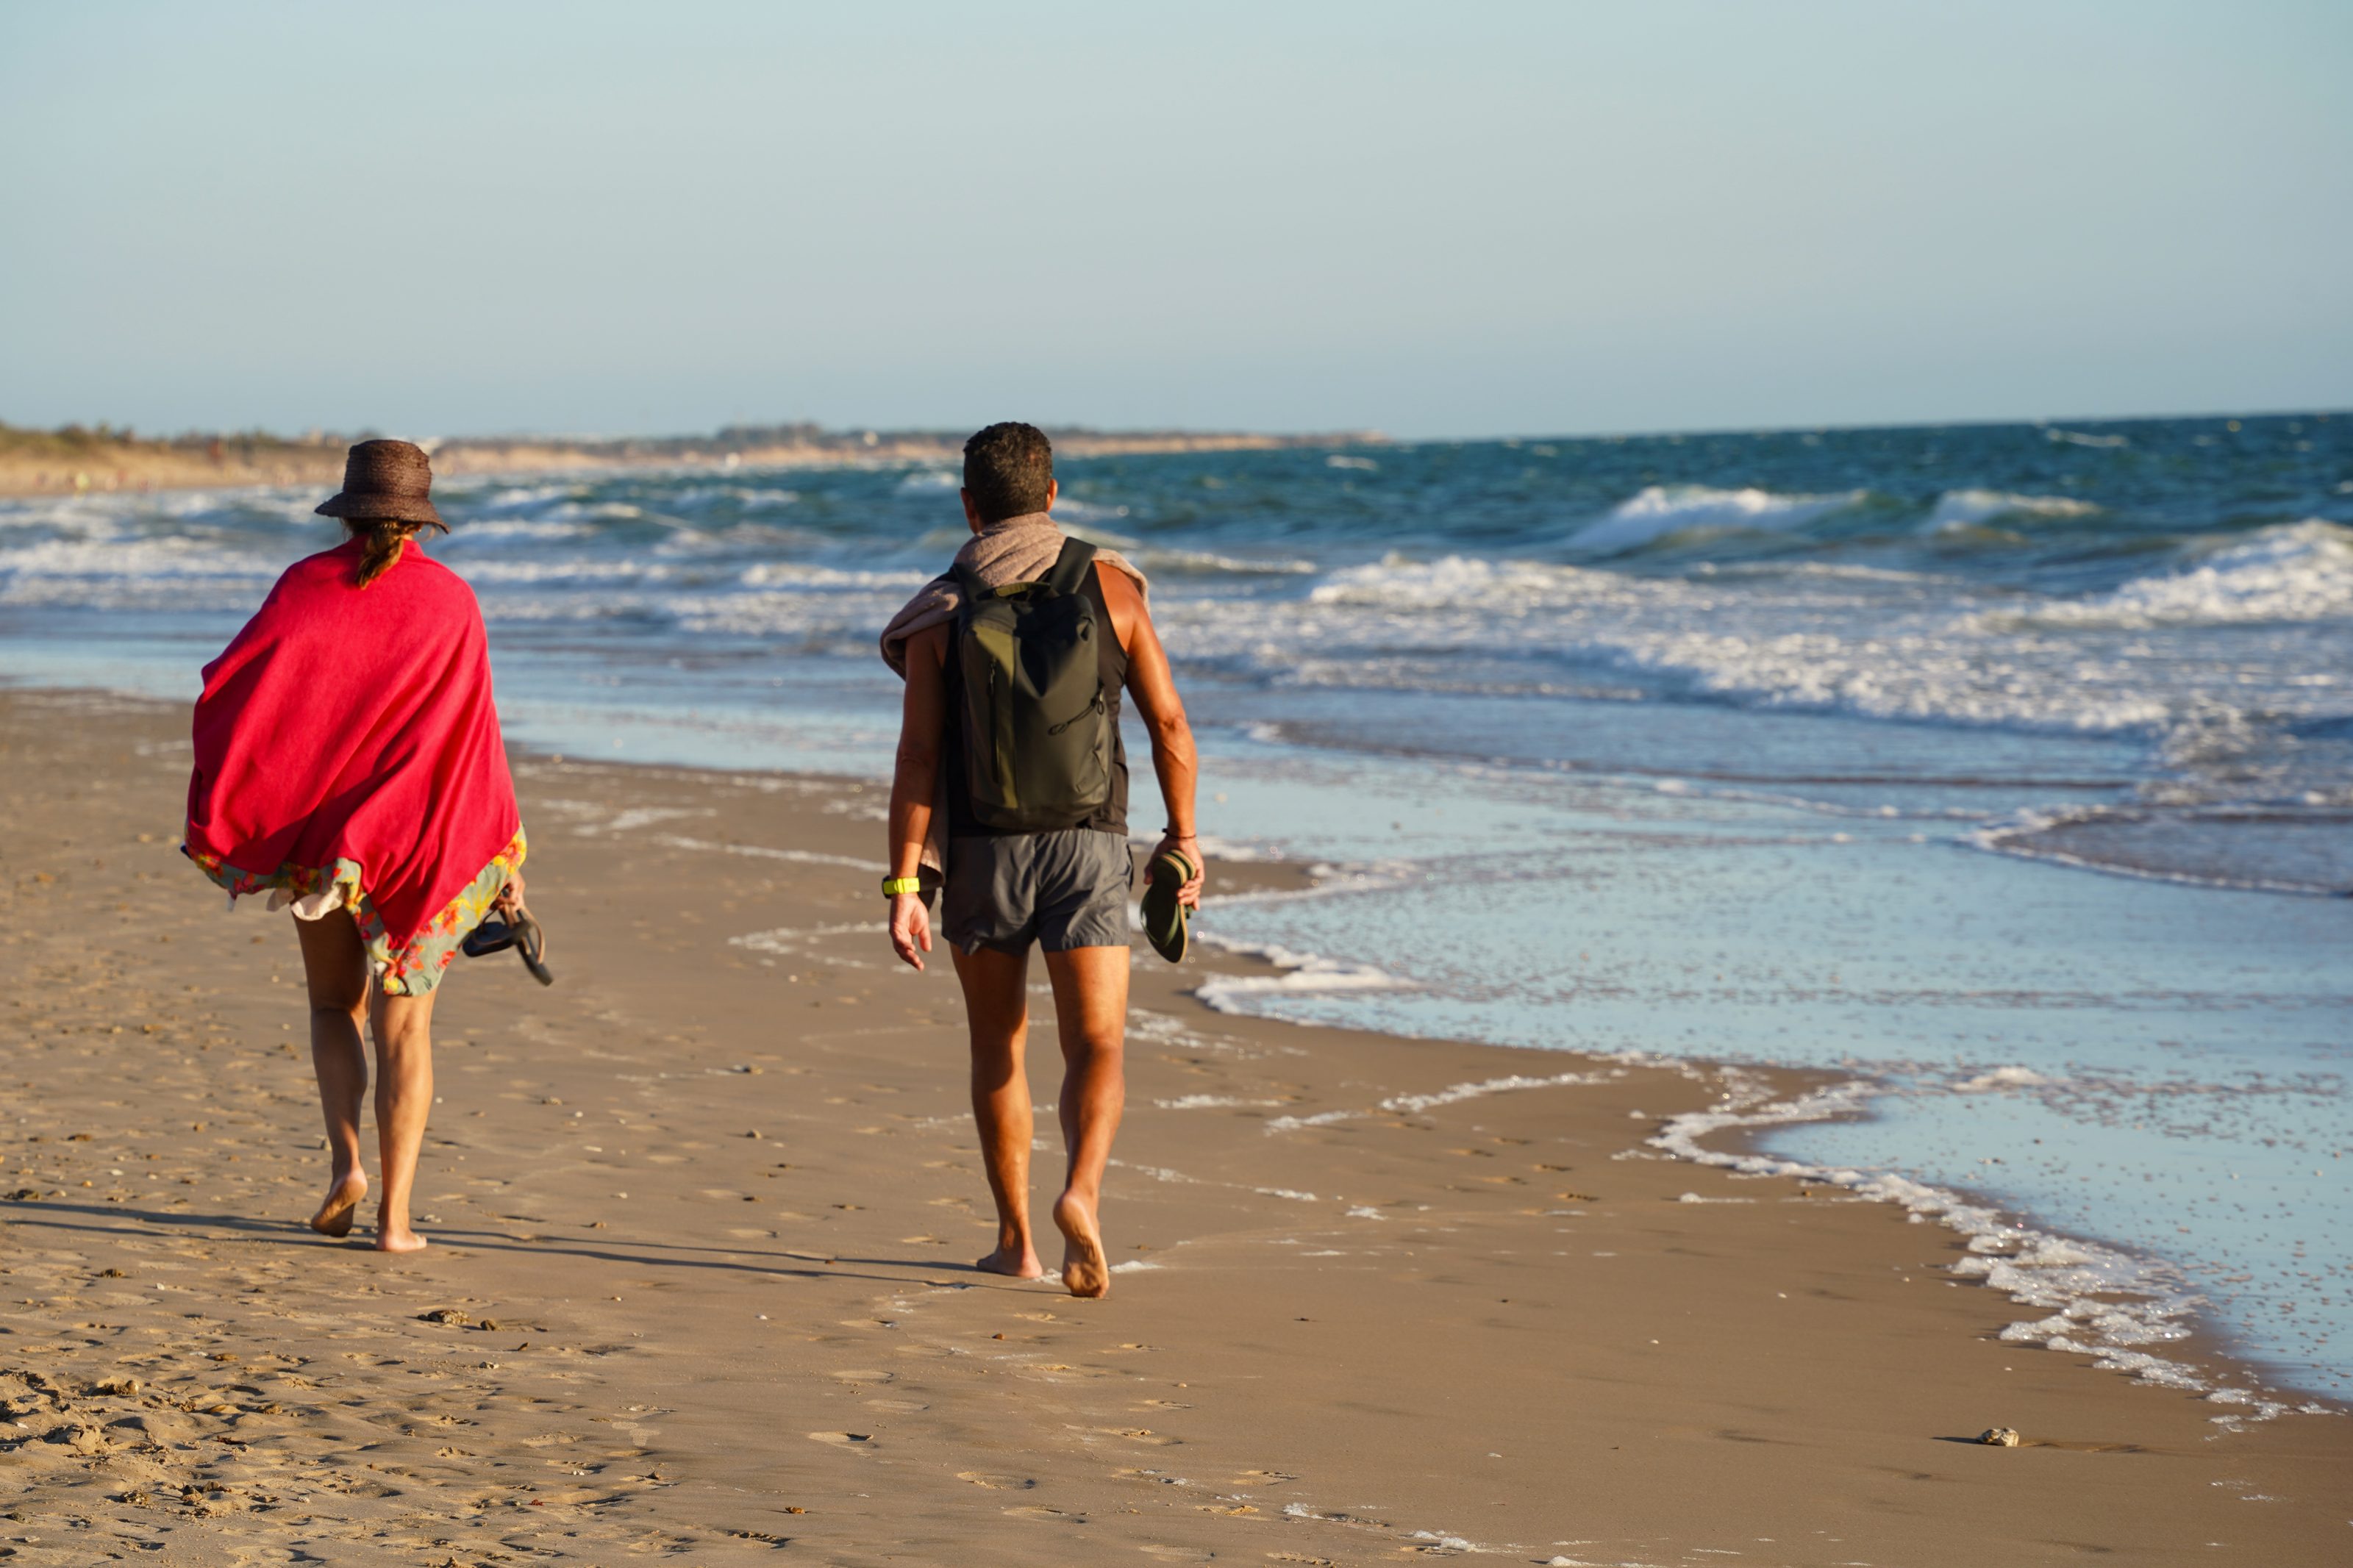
(1060,890)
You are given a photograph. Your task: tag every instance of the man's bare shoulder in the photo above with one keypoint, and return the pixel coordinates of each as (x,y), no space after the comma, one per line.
(1123,600)
(1118,587)
(930,644)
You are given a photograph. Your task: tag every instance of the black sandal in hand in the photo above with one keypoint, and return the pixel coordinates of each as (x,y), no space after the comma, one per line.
(511,926)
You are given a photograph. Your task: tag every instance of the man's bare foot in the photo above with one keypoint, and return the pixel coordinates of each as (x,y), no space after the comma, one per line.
(401,1240)
(341,1205)
(1020,1262)
(1084,1272)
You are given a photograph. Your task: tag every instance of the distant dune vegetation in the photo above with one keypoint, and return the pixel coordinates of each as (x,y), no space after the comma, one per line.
(77,458)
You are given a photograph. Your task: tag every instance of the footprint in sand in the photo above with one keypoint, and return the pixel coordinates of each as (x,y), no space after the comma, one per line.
(856,1441)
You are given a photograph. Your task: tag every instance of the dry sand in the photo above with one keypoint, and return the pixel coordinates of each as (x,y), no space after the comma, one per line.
(702,1216)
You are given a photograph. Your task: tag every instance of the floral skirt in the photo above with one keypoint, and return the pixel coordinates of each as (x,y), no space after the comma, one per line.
(411,969)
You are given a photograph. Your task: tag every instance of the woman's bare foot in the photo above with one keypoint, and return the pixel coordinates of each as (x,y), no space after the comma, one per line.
(341,1205)
(1084,1272)
(1020,1262)
(403,1239)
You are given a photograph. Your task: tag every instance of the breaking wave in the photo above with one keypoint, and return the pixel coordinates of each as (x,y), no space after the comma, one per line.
(1958,512)
(2300,571)
(1664,511)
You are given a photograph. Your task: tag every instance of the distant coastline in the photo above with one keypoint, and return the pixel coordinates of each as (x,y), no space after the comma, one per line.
(77,459)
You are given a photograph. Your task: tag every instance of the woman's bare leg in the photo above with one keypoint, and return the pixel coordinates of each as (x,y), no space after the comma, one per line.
(335,969)
(404,1098)
(997,1014)
(1091,1016)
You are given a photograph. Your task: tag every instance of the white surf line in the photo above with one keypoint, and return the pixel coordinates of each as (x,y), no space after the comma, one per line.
(1445,1544)
(1415,1104)
(1161,1029)
(793,941)
(1232,850)
(639,816)
(801,857)
(1411,1104)
(1321,1119)
(1300,973)
(593,819)
(1162,1174)
(2066,1279)
(1325,879)
(1997,838)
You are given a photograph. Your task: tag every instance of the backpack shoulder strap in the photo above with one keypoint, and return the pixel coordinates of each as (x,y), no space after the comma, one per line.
(1070,573)
(966,579)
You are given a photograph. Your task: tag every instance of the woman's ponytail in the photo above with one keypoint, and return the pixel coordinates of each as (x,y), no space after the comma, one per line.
(386,537)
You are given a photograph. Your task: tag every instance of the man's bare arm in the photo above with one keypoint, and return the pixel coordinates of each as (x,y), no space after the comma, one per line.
(915,781)
(1154,687)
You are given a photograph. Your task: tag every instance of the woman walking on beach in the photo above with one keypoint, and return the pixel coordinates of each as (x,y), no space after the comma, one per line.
(348,763)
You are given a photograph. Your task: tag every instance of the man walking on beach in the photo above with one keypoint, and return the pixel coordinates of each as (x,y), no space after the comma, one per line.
(1012,785)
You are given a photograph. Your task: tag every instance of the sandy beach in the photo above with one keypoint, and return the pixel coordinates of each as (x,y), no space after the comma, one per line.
(700,1289)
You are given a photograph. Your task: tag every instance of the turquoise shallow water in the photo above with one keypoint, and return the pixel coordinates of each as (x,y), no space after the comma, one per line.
(2006,768)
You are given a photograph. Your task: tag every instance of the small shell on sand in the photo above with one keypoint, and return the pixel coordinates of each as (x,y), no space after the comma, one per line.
(2000,1437)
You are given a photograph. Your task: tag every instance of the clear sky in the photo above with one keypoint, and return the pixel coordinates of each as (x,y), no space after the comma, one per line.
(1432,219)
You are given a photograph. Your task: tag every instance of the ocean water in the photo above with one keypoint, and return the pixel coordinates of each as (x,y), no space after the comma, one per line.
(2007,771)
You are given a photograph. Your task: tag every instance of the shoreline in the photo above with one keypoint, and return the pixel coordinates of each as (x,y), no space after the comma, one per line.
(656,830)
(1760,1097)
(142,468)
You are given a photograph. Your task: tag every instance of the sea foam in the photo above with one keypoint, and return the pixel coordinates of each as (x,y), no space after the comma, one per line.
(2096,1301)
(2297,572)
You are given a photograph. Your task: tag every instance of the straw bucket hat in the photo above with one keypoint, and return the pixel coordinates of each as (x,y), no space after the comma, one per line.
(390,479)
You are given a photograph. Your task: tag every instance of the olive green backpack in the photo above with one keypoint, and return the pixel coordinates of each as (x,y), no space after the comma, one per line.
(1037,724)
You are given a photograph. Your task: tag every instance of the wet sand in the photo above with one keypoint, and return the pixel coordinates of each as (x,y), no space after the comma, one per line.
(703,1217)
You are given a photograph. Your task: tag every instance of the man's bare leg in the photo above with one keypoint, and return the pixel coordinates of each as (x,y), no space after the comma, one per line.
(1091,1017)
(335,969)
(404,1098)
(997,1014)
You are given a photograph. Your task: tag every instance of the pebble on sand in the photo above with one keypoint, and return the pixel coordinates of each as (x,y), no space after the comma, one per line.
(2000,1437)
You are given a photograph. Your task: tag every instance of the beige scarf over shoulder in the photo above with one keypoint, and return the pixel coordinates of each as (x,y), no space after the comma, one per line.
(1014,549)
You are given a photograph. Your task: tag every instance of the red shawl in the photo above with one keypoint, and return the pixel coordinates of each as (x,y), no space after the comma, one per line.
(351,731)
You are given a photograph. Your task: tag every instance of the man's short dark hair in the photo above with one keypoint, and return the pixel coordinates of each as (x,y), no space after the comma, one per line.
(1008,467)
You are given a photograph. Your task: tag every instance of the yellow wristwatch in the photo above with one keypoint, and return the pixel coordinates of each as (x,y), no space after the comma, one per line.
(894,885)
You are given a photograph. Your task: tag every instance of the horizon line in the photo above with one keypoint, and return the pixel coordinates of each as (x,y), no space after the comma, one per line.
(319,435)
